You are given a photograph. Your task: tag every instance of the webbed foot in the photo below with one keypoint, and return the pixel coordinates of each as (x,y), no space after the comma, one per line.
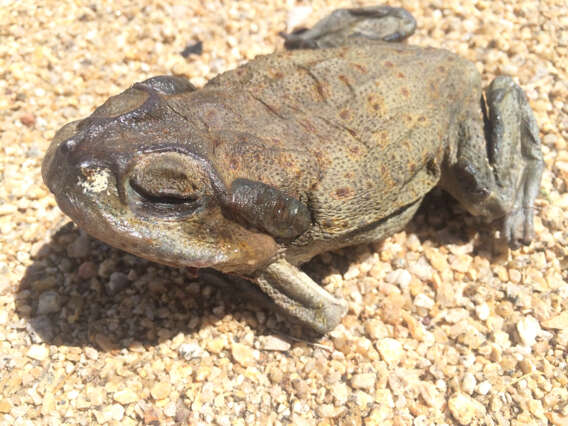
(498,169)
(515,151)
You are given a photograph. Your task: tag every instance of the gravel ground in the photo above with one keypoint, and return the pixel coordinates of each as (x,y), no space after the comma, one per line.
(445,325)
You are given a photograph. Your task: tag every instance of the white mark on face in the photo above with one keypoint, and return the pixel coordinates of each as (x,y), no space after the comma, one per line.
(94,179)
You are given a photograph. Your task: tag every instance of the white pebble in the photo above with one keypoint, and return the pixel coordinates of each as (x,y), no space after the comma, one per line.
(273,343)
(483,388)
(528,328)
(468,383)
(421,268)
(391,351)
(352,272)
(170,409)
(401,277)
(191,351)
(482,311)
(363,381)
(465,409)
(423,301)
(38,352)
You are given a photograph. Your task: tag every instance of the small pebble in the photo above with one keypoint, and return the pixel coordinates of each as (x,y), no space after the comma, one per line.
(46,283)
(113,412)
(216,345)
(423,301)
(27,119)
(118,281)
(421,268)
(363,399)
(465,409)
(160,390)
(528,329)
(125,396)
(44,327)
(170,409)
(483,388)
(329,411)
(5,406)
(243,354)
(38,352)
(80,247)
(558,322)
(364,381)
(482,311)
(49,302)
(391,351)
(468,383)
(400,277)
(431,395)
(376,329)
(190,351)
(87,270)
(340,392)
(273,343)
(275,375)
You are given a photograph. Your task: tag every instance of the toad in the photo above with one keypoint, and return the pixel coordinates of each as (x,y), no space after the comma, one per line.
(330,143)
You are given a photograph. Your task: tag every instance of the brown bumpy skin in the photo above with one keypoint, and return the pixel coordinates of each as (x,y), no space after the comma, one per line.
(330,144)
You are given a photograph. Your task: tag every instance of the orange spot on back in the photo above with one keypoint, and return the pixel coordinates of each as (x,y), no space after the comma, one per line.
(343,192)
(307,124)
(344,79)
(321,91)
(362,69)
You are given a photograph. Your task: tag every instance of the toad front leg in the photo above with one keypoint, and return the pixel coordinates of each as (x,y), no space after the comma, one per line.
(292,290)
(496,171)
(300,297)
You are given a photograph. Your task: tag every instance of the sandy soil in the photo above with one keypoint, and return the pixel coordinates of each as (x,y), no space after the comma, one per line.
(444,324)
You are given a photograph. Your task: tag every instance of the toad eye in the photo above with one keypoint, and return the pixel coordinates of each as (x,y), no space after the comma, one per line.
(169,178)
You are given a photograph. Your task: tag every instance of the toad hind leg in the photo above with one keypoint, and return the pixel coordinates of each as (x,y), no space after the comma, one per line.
(347,26)
(499,176)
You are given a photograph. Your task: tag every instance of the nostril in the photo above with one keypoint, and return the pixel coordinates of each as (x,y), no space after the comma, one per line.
(68,146)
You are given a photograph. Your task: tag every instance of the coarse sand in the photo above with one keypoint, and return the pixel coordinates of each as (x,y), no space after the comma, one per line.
(445,325)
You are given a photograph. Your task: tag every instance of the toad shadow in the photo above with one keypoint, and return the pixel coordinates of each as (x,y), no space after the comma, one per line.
(82,292)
